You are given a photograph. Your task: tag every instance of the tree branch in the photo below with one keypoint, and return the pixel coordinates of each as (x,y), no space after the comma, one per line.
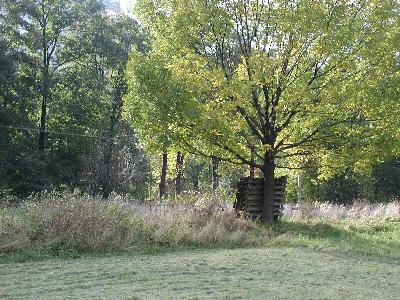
(250,123)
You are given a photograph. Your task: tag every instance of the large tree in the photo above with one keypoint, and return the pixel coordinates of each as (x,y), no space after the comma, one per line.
(90,91)
(41,28)
(266,83)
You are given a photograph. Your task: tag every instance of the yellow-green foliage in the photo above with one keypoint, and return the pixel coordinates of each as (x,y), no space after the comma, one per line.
(299,80)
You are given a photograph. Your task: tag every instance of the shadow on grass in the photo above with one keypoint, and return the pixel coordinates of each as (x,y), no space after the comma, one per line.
(381,241)
(376,242)
(28,255)
(41,254)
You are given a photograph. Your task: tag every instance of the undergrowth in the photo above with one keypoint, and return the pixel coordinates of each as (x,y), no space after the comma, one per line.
(69,225)
(81,223)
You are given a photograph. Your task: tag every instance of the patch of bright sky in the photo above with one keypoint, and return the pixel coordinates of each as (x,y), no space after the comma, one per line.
(127,5)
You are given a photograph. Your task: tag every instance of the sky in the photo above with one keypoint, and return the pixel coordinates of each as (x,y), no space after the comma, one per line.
(126,5)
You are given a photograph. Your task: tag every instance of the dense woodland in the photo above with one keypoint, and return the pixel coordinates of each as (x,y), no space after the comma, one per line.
(178,100)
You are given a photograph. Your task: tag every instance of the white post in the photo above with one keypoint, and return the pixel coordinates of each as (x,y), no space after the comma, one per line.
(299,188)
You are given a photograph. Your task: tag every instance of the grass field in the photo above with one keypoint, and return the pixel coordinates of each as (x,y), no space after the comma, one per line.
(254,273)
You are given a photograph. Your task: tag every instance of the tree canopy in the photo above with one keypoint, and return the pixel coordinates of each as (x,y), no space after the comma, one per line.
(271,83)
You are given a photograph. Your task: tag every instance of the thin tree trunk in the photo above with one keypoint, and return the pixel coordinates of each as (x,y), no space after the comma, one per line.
(179,169)
(163,178)
(106,178)
(196,187)
(269,173)
(251,175)
(195,171)
(115,116)
(215,176)
(42,134)
(45,93)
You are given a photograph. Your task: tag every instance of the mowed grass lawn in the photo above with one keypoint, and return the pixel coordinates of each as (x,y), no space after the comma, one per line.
(273,272)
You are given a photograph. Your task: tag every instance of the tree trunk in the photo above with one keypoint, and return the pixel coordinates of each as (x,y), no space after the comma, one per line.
(42,134)
(162,185)
(45,93)
(215,176)
(194,172)
(268,205)
(179,169)
(106,177)
(251,175)
(195,179)
(116,107)
(106,185)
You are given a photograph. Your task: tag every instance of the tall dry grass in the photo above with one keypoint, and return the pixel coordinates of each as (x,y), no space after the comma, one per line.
(72,221)
(83,223)
(359,210)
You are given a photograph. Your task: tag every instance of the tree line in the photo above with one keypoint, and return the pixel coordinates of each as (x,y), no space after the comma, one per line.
(62,83)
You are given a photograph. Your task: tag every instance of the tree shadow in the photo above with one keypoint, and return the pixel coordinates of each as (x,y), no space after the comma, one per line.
(340,241)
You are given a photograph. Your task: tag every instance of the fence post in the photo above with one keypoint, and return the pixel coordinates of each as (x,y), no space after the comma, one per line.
(299,182)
